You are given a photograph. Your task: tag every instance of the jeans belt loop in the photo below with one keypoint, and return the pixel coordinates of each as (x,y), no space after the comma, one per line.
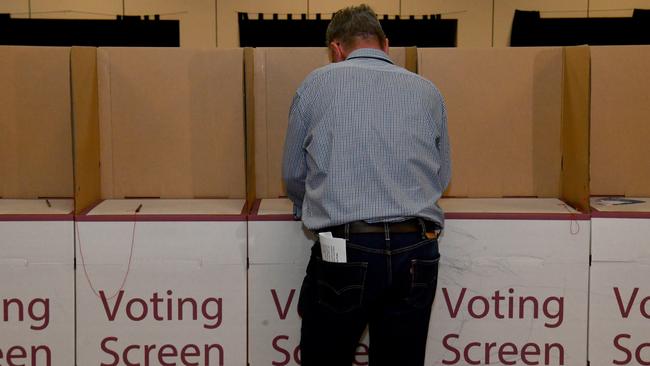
(424,227)
(386,231)
(347,232)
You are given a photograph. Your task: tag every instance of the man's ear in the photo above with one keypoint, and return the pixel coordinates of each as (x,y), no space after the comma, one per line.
(337,54)
(385,48)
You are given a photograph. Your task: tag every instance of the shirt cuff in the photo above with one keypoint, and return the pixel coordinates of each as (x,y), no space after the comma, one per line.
(297,211)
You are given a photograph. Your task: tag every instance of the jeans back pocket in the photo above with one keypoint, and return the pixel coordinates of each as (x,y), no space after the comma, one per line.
(341,285)
(424,279)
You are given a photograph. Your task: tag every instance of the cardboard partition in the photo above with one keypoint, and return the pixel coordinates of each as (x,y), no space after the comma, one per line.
(36,138)
(169,123)
(620,153)
(161,292)
(37,309)
(508,124)
(511,292)
(272,77)
(619,306)
(279,250)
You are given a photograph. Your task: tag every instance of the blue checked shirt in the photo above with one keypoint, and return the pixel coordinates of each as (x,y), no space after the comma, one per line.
(367,140)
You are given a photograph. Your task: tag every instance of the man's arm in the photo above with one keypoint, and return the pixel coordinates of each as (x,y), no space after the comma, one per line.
(294,169)
(443,147)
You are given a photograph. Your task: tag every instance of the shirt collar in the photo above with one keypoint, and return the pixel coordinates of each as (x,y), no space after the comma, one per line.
(369,53)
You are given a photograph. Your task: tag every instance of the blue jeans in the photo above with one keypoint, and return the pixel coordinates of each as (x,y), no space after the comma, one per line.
(388,284)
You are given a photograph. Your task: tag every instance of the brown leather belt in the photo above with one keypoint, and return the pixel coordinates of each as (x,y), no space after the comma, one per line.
(428,228)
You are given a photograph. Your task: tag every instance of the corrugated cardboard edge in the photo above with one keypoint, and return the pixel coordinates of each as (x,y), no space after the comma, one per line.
(85,126)
(249,95)
(575,127)
(411,59)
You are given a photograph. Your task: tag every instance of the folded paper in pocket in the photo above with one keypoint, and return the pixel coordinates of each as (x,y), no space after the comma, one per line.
(332,249)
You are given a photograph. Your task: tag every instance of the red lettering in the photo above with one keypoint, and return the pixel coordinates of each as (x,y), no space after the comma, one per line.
(449,347)
(497,301)
(560,353)
(504,352)
(453,311)
(522,306)
(625,310)
(125,355)
(193,310)
(525,352)
(644,310)
(557,315)
(207,353)
(471,307)
(129,309)
(110,314)
(19,306)
(18,353)
(618,346)
(155,300)
(362,351)
(47,356)
(282,311)
(296,355)
(164,353)
(638,354)
(116,357)
(488,350)
(466,353)
(147,353)
(285,353)
(44,314)
(215,316)
(185,353)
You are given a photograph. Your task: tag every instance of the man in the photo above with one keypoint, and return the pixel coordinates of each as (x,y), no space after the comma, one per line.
(366,158)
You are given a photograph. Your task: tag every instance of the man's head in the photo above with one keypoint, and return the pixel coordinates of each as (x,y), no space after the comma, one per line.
(352,28)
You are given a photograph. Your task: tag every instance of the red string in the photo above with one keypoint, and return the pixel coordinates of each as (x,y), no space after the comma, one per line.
(128,268)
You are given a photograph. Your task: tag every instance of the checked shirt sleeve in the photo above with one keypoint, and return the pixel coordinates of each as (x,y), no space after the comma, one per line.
(294,168)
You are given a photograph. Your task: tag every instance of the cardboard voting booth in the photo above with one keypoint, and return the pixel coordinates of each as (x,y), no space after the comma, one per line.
(619,307)
(161,227)
(513,276)
(279,250)
(36,227)
(279,246)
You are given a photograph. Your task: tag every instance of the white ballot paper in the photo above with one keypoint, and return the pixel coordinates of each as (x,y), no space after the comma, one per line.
(332,249)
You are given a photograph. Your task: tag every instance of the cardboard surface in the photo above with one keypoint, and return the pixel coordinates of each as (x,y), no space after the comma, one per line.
(26,206)
(275,206)
(619,312)
(643,206)
(171,123)
(506,205)
(504,118)
(485,266)
(620,105)
(278,72)
(36,138)
(575,128)
(37,315)
(85,109)
(150,284)
(166,206)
